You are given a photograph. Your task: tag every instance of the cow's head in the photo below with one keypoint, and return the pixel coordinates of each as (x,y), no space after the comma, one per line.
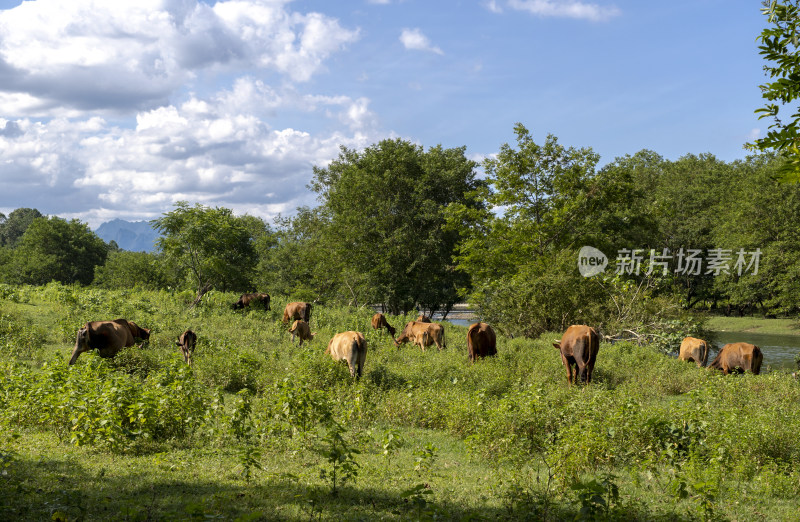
(187,342)
(81,344)
(138,332)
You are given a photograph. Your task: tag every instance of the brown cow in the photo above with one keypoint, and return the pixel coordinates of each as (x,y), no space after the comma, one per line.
(297,310)
(481,341)
(694,349)
(738,357)
(187,341)
(579,346)
(423,319)
(302,330)
(108,337)
(252,299)
(350,347)
(379,321)
(422,335)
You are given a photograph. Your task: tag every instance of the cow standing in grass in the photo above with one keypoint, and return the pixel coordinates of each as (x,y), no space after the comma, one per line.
(302,330)
(108,337)
(422,335)
(738,358)
(187,342)
(350,347)
(579,346)
(481,341)
(379,321)
(297,310)
(694,349)
(252,300)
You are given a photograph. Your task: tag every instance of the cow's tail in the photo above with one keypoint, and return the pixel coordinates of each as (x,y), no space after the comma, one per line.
(444,341)
(471,343)
(355,358)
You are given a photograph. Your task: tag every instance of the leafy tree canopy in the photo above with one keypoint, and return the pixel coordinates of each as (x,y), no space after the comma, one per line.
(385,233)
(208,246)
(780,47)
(54,249)
(17,222)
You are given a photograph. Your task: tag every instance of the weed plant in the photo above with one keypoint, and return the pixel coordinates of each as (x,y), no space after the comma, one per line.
(259,428)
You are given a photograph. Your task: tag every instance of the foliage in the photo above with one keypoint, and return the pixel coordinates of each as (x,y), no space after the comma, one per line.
(382,223)
(13,226)
(651,438)
(125,269)
(210,246)
(53,249)
(779,48)
(543,191)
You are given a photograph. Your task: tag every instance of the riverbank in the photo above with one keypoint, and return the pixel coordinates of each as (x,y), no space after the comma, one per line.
(759,325)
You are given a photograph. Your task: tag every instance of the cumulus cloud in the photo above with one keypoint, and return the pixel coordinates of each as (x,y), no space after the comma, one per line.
(216,150)
(100,114)
(414,39)
(565,9)
(59,58)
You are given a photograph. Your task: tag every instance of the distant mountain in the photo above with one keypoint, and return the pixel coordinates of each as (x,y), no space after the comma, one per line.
(135,236)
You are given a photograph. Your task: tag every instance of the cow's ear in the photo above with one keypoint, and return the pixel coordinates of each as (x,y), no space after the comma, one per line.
(557,345)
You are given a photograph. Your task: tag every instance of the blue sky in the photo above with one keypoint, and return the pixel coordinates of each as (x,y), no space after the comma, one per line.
(119,109)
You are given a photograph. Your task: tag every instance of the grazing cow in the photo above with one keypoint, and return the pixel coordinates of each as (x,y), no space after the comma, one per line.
(481,341)
(738,357)
(379,321)
(297,310)
(108,337)
(252,299)
(693,349)
(350,347)
(423,319)
(187,341)
(578,347)
(422,335)
(302,330)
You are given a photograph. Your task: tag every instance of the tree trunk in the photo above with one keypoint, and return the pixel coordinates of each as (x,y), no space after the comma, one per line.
(200,293)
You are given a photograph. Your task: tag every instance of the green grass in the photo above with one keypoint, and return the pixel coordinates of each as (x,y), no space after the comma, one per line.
(718,323)
(255,430)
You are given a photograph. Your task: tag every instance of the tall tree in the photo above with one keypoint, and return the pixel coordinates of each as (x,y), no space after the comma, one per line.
(17,222)
(780,47)
(210,246)
(540,201)
(54,249)
(386,227)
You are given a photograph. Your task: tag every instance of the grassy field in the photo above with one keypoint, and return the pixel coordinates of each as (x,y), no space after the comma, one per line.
(260,429)
(719,323)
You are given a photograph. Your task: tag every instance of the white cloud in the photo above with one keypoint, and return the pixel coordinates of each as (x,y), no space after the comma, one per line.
(566,9)
(414,39)
(493,6)
(753,134)
(212,150)
(59,58)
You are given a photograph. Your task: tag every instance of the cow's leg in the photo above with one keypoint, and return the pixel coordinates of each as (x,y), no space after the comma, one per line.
(568,366)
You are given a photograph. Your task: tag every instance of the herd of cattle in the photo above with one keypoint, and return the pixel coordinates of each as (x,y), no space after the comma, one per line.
(578,346)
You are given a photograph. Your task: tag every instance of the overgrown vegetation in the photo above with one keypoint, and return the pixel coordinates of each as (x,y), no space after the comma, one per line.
(261,429)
